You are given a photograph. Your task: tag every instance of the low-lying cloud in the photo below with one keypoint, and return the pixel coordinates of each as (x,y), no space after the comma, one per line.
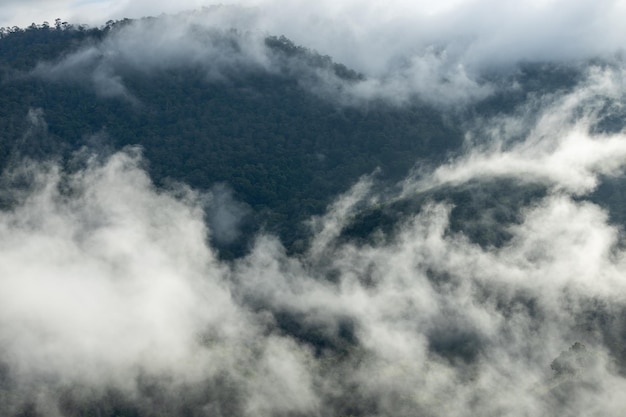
(106,281)
(113,300)
(111,295)
(402,56)
(437,51)
(550,139)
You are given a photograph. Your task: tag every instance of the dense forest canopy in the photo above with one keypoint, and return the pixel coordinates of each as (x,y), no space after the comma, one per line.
(283,149)
(280,134)
(199,219)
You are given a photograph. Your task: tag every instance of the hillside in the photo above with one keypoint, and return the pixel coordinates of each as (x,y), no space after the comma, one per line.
(284,150)
(204,220)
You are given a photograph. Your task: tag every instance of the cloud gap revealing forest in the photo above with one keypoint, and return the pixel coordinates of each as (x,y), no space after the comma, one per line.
(201,218)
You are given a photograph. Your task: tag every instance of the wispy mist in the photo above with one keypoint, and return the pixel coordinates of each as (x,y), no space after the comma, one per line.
(436,50)
(552,139)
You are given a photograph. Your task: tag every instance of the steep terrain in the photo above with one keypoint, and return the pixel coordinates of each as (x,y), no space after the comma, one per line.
(199,220)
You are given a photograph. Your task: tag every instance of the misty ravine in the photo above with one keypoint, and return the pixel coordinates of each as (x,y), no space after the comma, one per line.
(201,217)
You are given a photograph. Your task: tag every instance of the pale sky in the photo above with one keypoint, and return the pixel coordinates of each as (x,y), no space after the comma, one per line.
(93,12)
(96,12)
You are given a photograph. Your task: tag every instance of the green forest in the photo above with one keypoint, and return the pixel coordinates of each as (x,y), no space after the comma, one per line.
(284,151)
(366,254)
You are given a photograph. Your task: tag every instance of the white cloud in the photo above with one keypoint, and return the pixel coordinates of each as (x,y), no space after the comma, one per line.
(110,283)
(437,49)
(557,146)
(106,281)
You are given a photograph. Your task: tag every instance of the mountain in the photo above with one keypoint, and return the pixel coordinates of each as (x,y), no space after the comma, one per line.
(284,149)
(198,219)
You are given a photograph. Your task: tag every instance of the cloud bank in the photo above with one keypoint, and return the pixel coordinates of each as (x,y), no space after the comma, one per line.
(112,299)
(372,32)
(437,51)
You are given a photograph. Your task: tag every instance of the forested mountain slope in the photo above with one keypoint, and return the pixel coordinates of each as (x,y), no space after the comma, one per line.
(285,150)
(205,220)
(282,136)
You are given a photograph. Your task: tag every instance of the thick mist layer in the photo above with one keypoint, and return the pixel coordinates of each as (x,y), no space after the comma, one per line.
(438,50)
(447,56)
(349,29)
(112,301)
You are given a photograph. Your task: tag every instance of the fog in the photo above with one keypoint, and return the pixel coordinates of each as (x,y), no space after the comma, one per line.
(112,297)
(548,139)
(368,34)
(439,52)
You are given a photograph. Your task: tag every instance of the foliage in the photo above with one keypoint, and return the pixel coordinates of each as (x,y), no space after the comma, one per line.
(285,151)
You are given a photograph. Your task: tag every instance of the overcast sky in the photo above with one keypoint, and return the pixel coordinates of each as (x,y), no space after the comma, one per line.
(93,12)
